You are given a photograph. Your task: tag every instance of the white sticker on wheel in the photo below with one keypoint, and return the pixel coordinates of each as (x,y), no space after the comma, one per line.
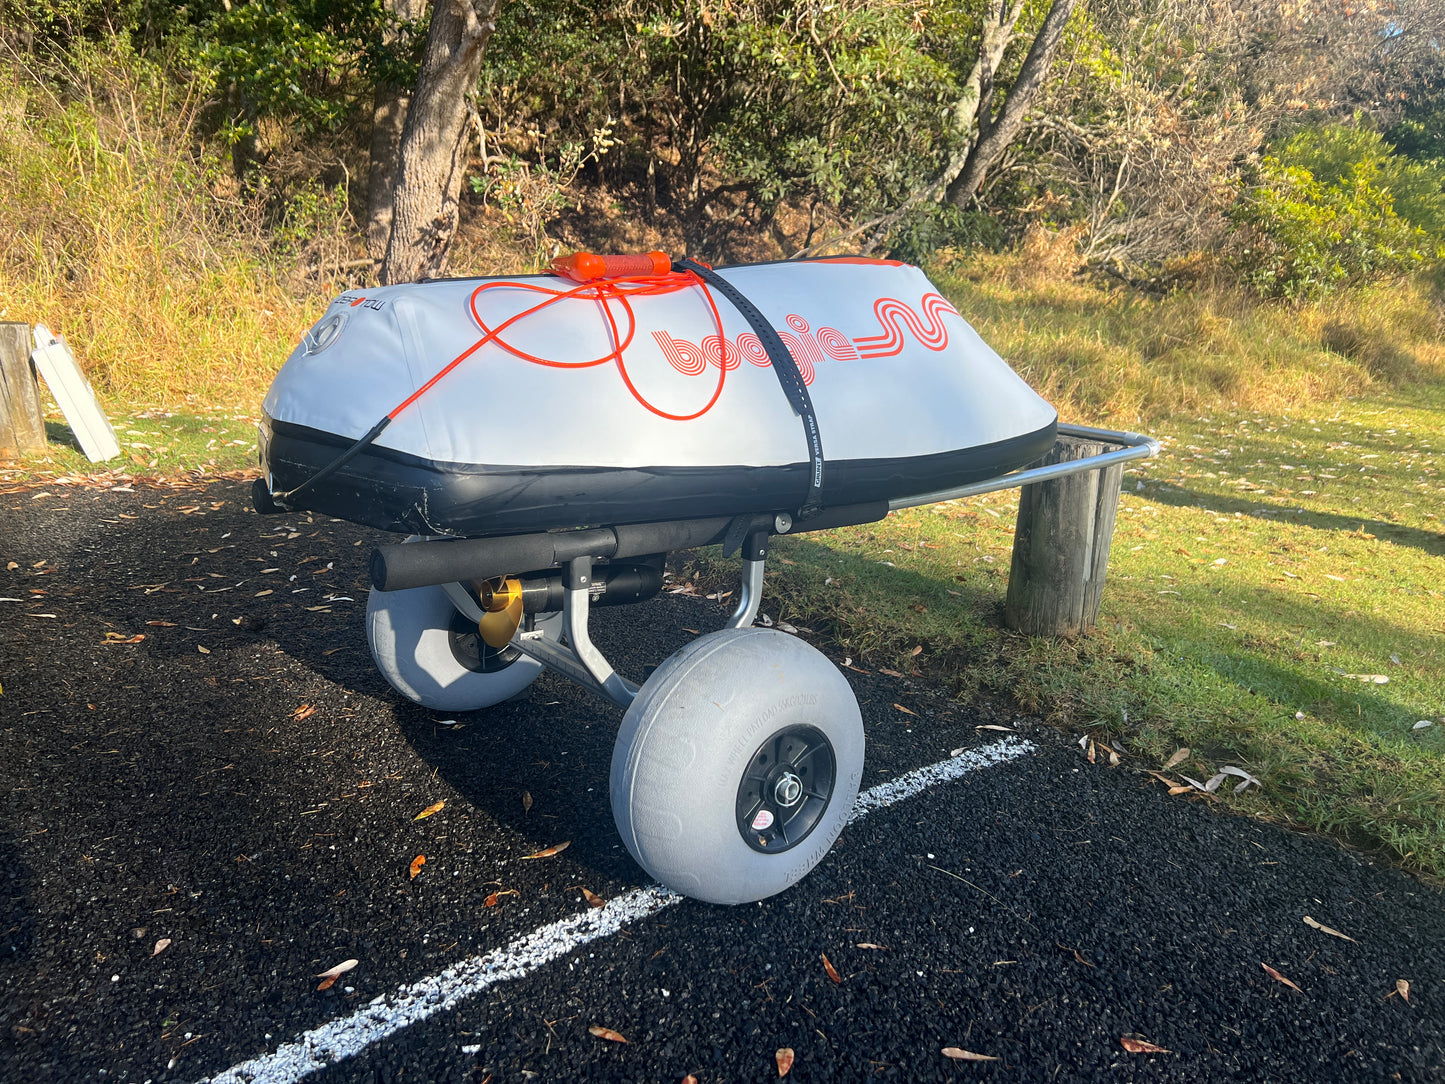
(763,821)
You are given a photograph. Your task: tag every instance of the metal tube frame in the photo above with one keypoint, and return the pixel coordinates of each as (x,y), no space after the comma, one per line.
(581,660)
(1136,446)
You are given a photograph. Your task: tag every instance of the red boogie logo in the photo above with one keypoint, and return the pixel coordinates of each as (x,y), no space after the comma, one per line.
(808,347)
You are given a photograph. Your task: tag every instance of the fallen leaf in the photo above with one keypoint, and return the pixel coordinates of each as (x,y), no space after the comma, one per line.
(1113,759)
(593,899)
(965,1055)
(161,945)
(416,865)
(1179,754)
(328,978)
(1213,784)
(491,901)
(1139,1046)
(606,1033)
(917,650)
(203,649)
(1326,929)
(905,711)
(784,1058)
(1244,775)
(1402,987)
(162,624)
(995,726)
(305,711)
(1370,679)
(1272,973)
(121,638)
(526,801)
(871,945)
(1179,790)
(548,852)
(1422,724)
(435,807)
(890,673)
(1092,751)
(828,967)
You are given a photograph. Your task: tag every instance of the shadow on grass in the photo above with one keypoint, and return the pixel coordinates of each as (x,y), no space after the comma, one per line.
(1431,542)
(1315,683)
(61,433)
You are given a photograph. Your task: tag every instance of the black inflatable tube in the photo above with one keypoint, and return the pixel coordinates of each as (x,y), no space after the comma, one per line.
(400,566)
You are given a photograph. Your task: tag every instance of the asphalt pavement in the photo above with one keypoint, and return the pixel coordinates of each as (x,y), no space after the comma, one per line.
(210,799)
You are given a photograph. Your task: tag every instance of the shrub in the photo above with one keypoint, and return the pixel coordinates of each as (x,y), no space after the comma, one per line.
(1337,206)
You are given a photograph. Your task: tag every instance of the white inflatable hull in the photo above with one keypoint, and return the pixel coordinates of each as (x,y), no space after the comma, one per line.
(690,422)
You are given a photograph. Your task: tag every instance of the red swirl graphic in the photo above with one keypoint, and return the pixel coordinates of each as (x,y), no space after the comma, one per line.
(892,313)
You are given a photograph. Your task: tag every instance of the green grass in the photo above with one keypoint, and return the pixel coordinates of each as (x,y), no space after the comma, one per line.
(158,443)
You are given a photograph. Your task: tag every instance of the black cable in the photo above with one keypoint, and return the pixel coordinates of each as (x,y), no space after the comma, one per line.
(340,461)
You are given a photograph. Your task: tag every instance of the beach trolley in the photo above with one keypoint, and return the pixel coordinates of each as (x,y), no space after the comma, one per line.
(544,442)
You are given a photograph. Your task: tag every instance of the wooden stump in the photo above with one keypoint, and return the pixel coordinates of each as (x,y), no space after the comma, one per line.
(22,426)
(1061,545)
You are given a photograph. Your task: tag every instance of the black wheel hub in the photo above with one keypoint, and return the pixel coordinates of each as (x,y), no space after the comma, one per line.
(785,789)
(469,649)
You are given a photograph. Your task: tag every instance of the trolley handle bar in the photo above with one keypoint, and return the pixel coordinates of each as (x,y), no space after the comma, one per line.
(1135,446)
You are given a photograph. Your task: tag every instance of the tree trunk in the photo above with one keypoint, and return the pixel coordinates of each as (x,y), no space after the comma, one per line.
(434,141)
(389,106)
(995,134)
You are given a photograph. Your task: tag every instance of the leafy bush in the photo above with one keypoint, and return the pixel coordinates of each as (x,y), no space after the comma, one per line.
(310,62)
(1337,205)
(719,108)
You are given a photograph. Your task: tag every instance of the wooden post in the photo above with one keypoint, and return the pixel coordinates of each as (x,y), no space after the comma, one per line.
(22,426)
(1061,545)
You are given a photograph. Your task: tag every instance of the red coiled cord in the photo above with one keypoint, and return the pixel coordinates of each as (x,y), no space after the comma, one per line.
(605,292)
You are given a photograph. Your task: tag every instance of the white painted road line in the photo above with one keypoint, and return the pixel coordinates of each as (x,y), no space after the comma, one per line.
(411,1004)
(945,771)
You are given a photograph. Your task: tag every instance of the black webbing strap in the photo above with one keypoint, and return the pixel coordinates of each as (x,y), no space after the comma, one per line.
(786,369)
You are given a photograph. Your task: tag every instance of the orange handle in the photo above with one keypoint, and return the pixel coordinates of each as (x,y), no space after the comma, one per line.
(587,266)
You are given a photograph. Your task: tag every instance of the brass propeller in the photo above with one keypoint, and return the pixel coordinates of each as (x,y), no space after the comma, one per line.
(502,601)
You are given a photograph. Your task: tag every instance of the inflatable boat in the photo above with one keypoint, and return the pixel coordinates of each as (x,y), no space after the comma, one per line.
(641,401)
(545,441)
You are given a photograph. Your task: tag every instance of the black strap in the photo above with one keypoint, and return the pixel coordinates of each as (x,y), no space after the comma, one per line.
(787,371)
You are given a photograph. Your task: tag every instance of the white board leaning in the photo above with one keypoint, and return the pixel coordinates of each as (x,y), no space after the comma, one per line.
(56,364)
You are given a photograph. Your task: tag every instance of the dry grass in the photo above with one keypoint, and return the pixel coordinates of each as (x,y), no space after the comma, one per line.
(1116,355)
(116,232)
